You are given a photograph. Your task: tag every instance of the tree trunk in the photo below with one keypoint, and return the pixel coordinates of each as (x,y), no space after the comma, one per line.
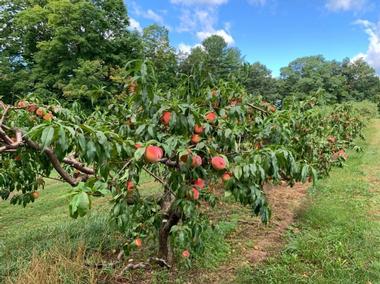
(171,219)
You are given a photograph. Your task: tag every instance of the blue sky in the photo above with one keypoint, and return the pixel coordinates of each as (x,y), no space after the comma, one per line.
(273,32)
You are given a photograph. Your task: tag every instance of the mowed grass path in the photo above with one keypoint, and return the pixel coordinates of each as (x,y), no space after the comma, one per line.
(339,231)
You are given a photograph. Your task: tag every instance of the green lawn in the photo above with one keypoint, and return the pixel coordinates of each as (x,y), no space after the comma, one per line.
(339,238)
(45,226)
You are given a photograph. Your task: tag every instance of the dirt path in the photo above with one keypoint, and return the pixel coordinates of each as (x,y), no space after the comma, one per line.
(253,242)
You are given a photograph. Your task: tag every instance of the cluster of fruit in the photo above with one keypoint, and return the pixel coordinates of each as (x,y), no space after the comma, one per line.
(34,108)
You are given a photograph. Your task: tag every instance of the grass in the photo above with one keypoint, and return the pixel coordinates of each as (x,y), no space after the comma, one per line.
(339,232)
(43,233)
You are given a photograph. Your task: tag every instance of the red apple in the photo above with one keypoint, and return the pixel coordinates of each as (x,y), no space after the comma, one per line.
(218,163)
(138,145)
(200,183)
(195,139)
(165,118)
(153,154)
(211,117)
(198,129)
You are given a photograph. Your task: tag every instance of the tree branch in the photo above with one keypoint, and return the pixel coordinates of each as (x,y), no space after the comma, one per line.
(258,108)
(78,165)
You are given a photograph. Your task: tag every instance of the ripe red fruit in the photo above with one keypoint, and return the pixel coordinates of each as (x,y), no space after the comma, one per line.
(153,154)
(22,104)
(48,117)
(35,194)
(195,139)
(226,176)
(138,145)
(138,242)
(165,118)
(211,117)
(195,193)
(186,253)
(218,163)
(196,161)
(130,185)
(198,129)
(200,183)
(40,112)
(32,108)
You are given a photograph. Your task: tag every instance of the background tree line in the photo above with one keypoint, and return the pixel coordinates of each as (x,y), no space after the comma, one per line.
(80,49)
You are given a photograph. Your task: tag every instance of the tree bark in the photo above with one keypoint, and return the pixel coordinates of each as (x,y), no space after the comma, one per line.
(172,218)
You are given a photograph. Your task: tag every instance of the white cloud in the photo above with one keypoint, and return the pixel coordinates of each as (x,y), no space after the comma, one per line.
(372,55)
(148,14)
(184,48)
(151,15)
(222,33)
(135,25)
(345,5)
(199,2)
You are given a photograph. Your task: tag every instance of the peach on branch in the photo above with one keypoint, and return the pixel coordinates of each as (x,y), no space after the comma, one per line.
(226,176)
(22,104)
(196,161)
(40,112)
(195,193)
(165,118)
(153,154)
(48,117)
(195,139)
(219,163)
(198,129)
(211,117)
(130,185)
(32,108)
(200,183)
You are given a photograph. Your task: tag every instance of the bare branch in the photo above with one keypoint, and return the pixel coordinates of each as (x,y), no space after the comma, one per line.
(258,108)
(78,165)
(154,176)
(6,108)
(56,163)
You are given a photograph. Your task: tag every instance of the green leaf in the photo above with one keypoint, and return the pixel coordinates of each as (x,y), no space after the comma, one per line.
(79,205)
(139,153)
(47,137)
(101,137)
(91,151)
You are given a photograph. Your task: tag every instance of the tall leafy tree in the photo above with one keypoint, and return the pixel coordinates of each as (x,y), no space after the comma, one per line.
(213,60)
(157,49)
(258,80)
(51,39)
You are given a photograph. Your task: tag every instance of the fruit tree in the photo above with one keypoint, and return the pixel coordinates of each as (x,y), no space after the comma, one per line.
(189,140)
